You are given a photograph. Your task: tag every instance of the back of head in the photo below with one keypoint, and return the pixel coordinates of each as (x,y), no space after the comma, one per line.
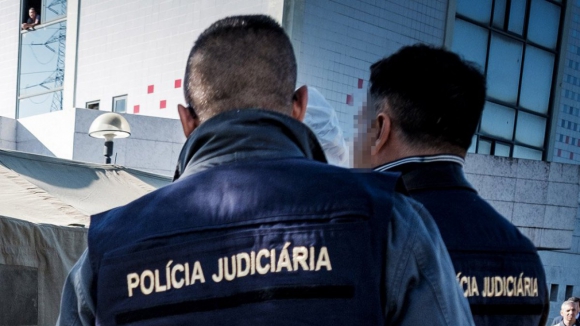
(434,98)
(241,62)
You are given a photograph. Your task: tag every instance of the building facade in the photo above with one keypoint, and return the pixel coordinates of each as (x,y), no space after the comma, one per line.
(128,56)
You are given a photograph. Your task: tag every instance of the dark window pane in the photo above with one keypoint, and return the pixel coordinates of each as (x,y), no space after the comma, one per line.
(554,292)
(531,129)
(498,121)
(479,10)
(517,14)
(543,26)
(537,79)
(40,104)
(527,153)
(499,13)
(94,105)
(470,41)
(503,71)
(569,290)
(42,59)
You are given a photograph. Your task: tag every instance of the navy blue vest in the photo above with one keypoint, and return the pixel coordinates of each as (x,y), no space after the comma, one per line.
(497,267)
(263,242)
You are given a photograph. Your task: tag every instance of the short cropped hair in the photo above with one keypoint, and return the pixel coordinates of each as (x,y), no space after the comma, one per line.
(573,299)
(434,98)
(567,303)
(241,62)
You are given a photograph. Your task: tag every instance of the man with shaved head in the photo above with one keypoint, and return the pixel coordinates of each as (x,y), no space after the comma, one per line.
(257,229)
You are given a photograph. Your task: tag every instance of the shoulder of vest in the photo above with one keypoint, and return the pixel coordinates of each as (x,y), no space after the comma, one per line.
(391,181)
(317,190)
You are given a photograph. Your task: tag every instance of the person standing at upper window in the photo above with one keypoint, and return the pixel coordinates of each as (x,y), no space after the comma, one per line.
(33,19)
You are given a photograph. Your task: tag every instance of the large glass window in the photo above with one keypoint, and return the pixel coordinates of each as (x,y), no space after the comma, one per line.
(39,104)
(515,42)
(42,54)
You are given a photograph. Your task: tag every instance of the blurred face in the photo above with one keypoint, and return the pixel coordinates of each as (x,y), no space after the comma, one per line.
(366,131)
(363,138)
(32,13)
(569,312)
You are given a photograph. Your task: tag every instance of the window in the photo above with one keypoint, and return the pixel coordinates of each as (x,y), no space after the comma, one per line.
(515,43)
(42,57)
(27,4)
(120,104)
(53,9)
(93,105)
(554,292)
(569,291)
(49,10)
(42,70)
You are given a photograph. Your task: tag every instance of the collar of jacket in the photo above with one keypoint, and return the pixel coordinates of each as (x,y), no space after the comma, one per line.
(430,172)
(246,134)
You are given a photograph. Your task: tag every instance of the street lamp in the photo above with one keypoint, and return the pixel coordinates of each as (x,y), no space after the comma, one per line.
(109,126)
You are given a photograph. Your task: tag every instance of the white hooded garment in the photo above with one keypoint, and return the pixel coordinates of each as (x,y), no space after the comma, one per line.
(322,119)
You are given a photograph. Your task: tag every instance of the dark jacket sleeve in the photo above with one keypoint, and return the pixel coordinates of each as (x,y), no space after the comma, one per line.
(420,279)
(77,306)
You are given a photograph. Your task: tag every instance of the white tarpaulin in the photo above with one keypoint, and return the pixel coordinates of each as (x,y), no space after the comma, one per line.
(44,204)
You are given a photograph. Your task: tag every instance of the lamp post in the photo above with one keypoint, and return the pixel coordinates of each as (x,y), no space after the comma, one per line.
(109,126)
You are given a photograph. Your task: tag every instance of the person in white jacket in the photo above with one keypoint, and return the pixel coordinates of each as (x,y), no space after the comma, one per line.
(323,121)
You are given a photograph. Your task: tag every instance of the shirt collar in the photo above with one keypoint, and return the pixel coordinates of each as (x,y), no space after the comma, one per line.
(421,159)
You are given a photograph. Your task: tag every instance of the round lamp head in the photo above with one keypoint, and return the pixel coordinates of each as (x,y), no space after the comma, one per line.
(110,125)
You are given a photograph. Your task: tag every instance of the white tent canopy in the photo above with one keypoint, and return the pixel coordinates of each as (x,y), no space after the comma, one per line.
(44,204)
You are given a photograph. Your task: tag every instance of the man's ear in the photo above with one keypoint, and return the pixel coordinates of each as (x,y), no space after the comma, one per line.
(188,121)
(383,125)
(299,103)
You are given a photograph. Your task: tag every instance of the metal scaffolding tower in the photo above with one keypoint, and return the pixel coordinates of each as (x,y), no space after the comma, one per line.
(56,78)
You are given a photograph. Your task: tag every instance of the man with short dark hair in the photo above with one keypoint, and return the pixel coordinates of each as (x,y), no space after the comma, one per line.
(257,229)
(576,301)
(427,103)
(33,20)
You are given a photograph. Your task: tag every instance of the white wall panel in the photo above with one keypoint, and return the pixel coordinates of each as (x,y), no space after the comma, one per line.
(338,40)
(127,46)
(9,35)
